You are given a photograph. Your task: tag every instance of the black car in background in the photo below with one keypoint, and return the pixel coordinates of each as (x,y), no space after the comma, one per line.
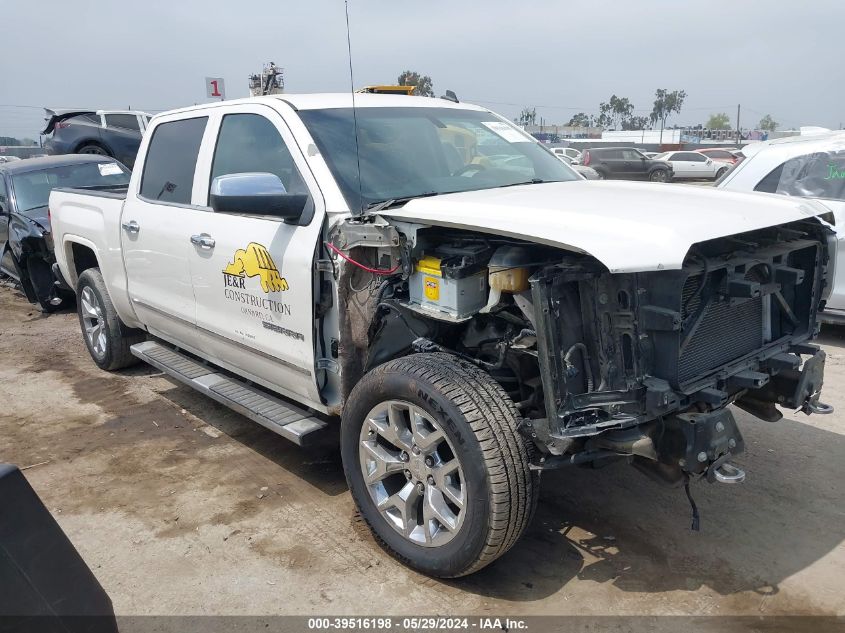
(626,163)
(103,133)
(26,245)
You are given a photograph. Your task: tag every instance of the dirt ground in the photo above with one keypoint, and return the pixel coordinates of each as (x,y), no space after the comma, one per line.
(181,506)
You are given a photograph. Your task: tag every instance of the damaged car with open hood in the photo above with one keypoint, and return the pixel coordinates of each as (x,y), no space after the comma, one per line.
(468,310)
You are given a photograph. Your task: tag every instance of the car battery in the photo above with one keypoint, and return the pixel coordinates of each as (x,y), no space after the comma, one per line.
(450,284)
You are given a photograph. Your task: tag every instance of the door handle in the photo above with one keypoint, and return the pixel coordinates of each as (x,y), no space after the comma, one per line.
(203,240)
(131,227)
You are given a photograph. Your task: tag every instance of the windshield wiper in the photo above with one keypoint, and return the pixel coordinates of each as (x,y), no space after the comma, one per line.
(533,181)
(375,207)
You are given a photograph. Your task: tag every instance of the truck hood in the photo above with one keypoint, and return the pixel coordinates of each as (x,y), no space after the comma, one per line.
(627,226)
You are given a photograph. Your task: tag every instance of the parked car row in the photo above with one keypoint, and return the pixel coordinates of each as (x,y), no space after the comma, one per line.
(627,163)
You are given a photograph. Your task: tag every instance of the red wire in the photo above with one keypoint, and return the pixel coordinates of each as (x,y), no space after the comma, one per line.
(375,271)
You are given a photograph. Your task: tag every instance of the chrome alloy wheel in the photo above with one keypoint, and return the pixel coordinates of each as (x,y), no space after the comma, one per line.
(412,473)
(92,317)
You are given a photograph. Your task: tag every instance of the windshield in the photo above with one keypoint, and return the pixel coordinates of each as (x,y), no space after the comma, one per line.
(32,188)
(409,152)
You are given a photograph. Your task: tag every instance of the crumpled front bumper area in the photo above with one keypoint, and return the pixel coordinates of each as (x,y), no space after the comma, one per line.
(703,443)
(792,387)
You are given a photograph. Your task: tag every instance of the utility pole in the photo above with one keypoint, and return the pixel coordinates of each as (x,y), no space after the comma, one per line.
(737,124)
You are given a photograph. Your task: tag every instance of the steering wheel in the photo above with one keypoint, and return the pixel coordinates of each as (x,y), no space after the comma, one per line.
(467,168)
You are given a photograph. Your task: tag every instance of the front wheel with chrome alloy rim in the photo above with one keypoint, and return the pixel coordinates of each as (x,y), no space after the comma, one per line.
(411,473)
(107,338)
(436,465)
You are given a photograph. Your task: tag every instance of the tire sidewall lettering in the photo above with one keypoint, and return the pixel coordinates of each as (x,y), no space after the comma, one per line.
(442,416)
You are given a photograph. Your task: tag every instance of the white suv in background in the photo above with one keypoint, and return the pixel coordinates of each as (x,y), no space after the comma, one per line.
(808,167)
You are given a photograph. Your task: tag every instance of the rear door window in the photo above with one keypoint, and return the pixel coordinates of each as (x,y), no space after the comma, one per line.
(86,118)
(124,121)
(172,160)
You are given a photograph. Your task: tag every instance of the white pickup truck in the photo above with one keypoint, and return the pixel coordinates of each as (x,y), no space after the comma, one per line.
(469,310)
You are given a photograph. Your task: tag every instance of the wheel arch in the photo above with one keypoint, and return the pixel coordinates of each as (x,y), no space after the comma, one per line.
(468,403)
(80,255)
(92,141)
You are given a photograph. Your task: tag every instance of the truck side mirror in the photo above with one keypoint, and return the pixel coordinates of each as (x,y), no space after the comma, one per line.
(256,193)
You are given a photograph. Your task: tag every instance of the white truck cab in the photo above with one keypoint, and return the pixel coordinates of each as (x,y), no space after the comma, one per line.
(468,309)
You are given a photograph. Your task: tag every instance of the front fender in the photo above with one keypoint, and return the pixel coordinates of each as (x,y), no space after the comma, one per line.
(25,237)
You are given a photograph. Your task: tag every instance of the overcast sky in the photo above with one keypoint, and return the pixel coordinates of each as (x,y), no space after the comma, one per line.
(773,56)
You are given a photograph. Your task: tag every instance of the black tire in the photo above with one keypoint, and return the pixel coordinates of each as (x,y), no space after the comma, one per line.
(659,175)
(480,422)
(721,172)
(93,148)
(602,175)
(117,337)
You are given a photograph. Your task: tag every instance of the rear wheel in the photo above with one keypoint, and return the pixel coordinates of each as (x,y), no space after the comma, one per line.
(107,338)
(436,465)
(92,149)
(659,175)
(721,172)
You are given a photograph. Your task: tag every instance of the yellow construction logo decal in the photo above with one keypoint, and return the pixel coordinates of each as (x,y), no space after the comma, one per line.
(254,261)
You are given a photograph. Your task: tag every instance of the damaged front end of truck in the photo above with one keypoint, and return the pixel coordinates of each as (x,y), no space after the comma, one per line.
(661,354)
(602,366)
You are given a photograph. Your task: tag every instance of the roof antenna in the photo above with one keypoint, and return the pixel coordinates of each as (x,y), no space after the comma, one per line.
(360,211)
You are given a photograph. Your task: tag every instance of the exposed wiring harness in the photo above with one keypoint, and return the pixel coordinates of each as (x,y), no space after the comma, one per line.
(585,355)
(374,271)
